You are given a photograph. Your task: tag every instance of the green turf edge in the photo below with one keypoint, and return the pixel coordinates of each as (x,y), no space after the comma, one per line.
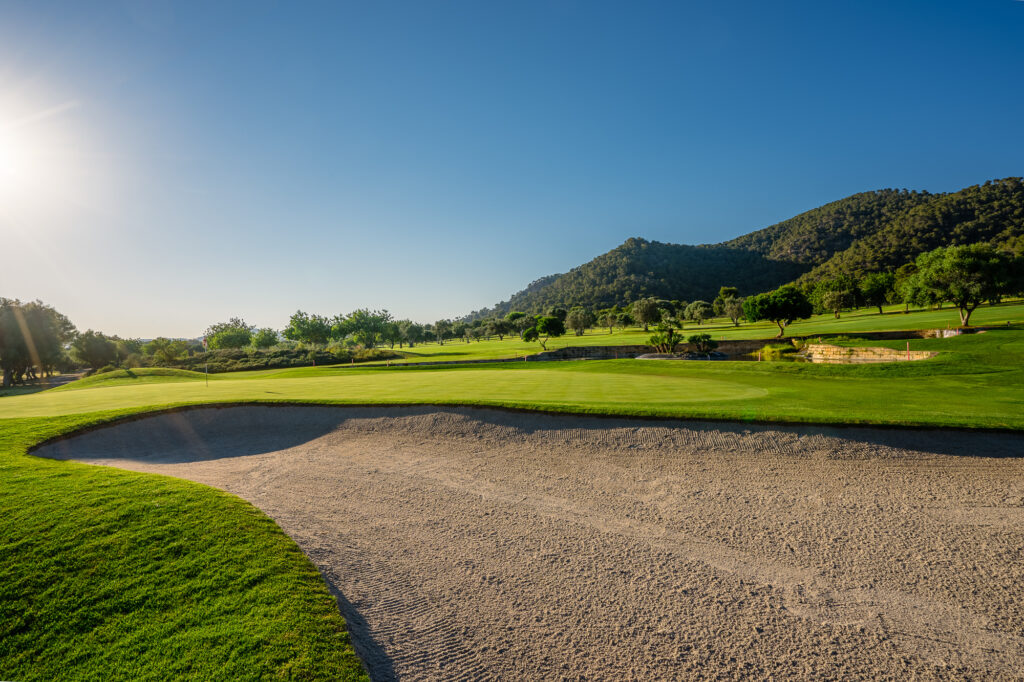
(107,574)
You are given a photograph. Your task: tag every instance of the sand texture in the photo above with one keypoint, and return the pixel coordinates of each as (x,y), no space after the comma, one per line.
(480,544)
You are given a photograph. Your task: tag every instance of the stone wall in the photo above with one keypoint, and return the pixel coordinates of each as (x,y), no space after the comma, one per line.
(824,352)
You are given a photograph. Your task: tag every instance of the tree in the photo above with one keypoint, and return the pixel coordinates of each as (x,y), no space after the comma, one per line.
(965,275)
(782,306)
(460,331)
(666,339)
(412,332)
(579,320)
(520,322)
(391,334)
(609,319)
(365,326)
(698,311)
(32,336)
(498,327)
(560,313)
(265,337)
(646,312)
(234,333)
(832,295)
(733,309)
(724,294)
(545,326)
(164,351)
(878,288)
(703,343)
(442,330)
(312,329)
(94,349)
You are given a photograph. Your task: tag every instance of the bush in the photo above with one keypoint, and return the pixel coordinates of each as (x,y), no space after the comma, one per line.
(236,360)
(702,343)
(105,369)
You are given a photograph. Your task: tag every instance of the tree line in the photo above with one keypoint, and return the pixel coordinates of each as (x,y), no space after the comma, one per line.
(36,340)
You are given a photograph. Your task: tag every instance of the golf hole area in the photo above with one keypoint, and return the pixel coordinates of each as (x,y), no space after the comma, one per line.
(467,543)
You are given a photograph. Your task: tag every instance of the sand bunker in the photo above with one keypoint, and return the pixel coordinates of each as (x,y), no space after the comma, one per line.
(478,544)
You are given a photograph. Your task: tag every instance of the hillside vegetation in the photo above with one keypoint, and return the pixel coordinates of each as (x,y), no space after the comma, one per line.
(866,232)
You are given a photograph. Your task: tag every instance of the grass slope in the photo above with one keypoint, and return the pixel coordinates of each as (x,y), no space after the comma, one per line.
(107,574)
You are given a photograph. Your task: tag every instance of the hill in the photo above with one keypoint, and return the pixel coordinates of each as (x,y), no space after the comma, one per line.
(865,232)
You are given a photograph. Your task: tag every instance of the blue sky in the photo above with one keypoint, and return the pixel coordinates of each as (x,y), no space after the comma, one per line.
(171,164)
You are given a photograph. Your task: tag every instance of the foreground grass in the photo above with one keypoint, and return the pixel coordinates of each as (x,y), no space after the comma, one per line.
(107,574)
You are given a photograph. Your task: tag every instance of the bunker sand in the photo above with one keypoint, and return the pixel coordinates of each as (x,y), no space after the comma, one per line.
(479,544)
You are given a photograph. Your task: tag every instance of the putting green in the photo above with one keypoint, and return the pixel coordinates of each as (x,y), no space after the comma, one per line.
(537,387)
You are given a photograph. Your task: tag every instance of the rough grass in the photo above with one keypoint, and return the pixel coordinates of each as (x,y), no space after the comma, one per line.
(107,574)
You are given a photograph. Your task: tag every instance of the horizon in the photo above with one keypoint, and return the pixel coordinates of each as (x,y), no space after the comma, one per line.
(166,167)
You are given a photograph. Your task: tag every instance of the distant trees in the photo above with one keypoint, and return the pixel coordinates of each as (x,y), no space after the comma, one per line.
(698,311)
(165,352)
(782,306)
(835,294)
(646,312)
(264,337)
(579,320)
(94,349)
(234,333)
(312,329)
(442,329)
(498,327)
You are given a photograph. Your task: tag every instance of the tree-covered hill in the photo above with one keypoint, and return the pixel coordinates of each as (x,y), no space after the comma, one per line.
(812,237)
(992,212)
(865,232)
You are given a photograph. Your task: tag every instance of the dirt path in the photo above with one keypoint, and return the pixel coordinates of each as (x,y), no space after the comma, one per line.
(477,544)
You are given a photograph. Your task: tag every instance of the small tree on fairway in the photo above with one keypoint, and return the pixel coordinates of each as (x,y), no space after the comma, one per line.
(965,275)
(733,309)
(544,328)
(782,306)
(724,294)
(878,288)
(579,320)
(698,311)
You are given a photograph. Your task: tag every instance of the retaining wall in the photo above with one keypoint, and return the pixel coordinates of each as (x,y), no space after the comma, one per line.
(824,352)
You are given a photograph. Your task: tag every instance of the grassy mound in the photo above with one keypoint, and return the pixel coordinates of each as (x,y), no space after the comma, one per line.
(108,574)
(140,375)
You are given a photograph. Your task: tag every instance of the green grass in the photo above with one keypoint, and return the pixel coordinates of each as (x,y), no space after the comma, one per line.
(109,574)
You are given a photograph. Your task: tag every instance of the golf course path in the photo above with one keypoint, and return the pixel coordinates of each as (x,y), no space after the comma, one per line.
(481,544)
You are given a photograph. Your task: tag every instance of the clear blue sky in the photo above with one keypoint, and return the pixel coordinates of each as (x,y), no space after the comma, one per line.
(171,164)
